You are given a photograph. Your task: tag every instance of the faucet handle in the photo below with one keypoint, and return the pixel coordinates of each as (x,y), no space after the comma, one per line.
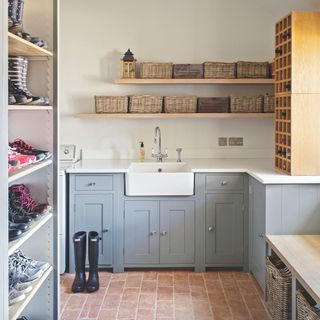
(179,150)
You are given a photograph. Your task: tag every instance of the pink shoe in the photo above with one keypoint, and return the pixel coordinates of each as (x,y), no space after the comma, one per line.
(23,160)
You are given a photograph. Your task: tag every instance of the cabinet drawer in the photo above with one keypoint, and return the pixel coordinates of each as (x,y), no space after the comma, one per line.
(224,182)
(94,183)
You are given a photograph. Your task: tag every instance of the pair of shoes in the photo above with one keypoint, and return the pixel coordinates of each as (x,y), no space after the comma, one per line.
(80,243)
(17,160)
(21,194)
(16,230)
(26,149)
(18,74)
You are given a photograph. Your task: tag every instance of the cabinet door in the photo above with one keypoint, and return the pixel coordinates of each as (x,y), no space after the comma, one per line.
(94,212)
(224,229)
(177,232)
(141,232)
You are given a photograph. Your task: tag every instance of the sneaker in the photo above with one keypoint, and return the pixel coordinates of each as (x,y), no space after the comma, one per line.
(15,205)
(23,287)
(42,265)
(23,318)
(14,234)
(20,226)
(18,216)
(20,96)
(11,99)
(23,272)
(22,193)
(25,148)
(22,159)
(13,165)
(15,296)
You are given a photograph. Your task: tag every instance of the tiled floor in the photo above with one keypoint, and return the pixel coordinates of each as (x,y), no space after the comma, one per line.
(166,295)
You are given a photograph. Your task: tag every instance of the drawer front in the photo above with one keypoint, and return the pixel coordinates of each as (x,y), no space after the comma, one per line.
(224,182)
(94,182)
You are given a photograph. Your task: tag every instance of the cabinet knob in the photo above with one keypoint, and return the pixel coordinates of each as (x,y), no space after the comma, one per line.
(224,183)
(91,184)
(164,233)
(153,233)
(105,230)
(210,228)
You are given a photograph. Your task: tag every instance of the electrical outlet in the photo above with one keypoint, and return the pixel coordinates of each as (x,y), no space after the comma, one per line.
(236,141)
(223,141)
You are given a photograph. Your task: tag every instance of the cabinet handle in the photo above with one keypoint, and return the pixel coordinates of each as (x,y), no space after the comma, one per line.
(153,233)
(261,236)
(211,228)
(164,233)
(91,184)
(105,230)
(224,183)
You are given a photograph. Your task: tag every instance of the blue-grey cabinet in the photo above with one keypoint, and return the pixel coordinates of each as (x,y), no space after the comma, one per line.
(159,232)
(224,229)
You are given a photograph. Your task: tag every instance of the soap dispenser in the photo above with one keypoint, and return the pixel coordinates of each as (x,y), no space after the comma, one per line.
(142,151)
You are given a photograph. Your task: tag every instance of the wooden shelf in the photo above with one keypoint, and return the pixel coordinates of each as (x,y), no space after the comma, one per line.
(16,310)
(18,174)
(194,81)
(15,245)
(17,107)
(107,116)
(21,47)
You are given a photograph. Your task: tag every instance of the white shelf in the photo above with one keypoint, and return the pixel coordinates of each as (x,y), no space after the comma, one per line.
(18,174)
(17,107)
(15,245)
(16,309)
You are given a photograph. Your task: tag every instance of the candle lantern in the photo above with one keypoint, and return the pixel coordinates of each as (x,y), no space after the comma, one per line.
(128,65)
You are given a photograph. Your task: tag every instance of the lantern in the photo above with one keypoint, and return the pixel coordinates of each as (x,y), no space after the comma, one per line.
(128,65)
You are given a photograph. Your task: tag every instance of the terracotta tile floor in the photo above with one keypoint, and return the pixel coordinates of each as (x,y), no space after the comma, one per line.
(166,295)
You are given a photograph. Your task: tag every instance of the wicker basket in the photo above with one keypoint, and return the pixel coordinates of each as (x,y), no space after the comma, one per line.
(268,103)
(149,70)
(219,70)
(279,282)
(186,104)
(305,307)
(247,104)
(213,104)
(111,104)
(145,104)
(253,69)
(188,71)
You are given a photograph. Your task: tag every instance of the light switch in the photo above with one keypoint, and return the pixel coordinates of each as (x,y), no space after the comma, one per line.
(223,141)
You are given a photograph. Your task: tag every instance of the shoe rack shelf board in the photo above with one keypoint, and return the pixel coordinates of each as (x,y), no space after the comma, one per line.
(15,245)
(297,94)
(28,108)
(16,310)
(110,116)
(16,175)
(194,81)
(21,47)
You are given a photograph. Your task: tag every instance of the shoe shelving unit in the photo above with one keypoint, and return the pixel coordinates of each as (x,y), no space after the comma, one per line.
(37,125)
(297,94)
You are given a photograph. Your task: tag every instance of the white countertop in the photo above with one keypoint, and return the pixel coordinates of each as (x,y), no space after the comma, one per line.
(260,169)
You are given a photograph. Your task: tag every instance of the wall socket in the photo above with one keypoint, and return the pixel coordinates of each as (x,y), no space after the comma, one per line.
(223,141)
(236,141)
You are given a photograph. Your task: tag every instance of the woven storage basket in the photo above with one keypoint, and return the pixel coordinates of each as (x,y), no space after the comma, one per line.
(247,104)
(219,70)
(187,104)
(268,103)
(213,104)
(253,69)
(111,104)
(145,104)
(279,282)
(188,71)
(149,70)
(305,309)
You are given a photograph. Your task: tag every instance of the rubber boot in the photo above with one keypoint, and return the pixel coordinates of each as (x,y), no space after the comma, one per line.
(79,243)
(93,281)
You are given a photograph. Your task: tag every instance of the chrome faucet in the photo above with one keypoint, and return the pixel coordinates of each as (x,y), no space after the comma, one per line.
(157,140)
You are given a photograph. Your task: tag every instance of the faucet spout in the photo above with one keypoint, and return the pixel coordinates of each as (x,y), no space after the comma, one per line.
(157,140)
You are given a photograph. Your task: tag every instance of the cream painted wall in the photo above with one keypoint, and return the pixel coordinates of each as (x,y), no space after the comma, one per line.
(93,36)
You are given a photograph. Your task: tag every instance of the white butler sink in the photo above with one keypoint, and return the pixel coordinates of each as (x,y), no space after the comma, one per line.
(159,179)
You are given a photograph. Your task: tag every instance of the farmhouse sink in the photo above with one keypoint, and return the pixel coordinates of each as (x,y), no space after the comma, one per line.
(159,179)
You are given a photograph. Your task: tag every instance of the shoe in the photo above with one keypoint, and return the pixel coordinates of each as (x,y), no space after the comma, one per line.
(19,95)
(15,296)
(10,23)
(23,318)
(13,165)
(15,205)
(14,234)
(93,244)
(41,265)
(79,243)
(20,226)
(11,99)
(23,287)
(26,148)
(18,216)
(22,159)
(22,193)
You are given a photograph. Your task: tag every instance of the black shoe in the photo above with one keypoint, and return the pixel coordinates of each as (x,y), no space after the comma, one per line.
(93,244)
(79,243)
(20,226)
(11,99)
(17,217)
(15,204)
(20,96)
(14,234)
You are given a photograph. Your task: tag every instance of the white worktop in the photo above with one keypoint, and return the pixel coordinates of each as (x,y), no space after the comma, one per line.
(260,169)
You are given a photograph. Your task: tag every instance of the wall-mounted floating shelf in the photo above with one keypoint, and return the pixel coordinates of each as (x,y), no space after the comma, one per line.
(28,108)
(195,81)
(120,116)
(21,47)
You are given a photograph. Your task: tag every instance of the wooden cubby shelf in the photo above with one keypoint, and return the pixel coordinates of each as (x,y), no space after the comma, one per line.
(194,81)
(109,116)
(20,47)
(28,108)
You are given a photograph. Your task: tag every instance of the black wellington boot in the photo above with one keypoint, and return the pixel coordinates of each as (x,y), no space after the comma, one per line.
(93,281)
(80,244)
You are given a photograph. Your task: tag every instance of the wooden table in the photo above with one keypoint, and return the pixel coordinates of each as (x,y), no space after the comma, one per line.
(301,254)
